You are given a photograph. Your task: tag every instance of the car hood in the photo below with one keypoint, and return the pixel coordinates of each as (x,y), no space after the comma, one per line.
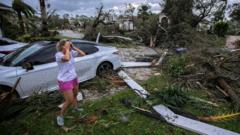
(4,70)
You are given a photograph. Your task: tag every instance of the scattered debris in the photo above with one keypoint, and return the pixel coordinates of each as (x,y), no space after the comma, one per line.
(157,74)
(189,124)
(91,119)
(124,119)
(117,38)
(143,111)
(67,129)
(236,99)
(159,62)
(136,64)
(181,50)
(222,117)
(135,86)
(174,119)
(204,101)
(5,97)
(144,64)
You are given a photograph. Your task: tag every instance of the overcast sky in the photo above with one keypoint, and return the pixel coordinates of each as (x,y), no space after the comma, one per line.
(88,7)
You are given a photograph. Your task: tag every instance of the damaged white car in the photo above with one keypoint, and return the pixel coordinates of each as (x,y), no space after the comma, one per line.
(35,64)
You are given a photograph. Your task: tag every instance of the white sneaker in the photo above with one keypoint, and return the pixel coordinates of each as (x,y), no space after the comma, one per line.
(60,106)
(79,96)
(60,121)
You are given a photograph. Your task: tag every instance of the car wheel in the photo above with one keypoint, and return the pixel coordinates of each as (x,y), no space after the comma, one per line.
(104,68)
(6,95)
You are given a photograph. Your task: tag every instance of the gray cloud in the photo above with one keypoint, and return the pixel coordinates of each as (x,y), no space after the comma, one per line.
(88,7)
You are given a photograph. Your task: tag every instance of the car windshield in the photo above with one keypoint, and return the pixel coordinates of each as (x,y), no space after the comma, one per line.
(14,58)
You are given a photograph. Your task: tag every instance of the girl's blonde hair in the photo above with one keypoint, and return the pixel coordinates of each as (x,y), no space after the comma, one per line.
(60,44)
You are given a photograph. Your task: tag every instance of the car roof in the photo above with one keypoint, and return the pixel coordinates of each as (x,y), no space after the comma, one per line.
(47,43)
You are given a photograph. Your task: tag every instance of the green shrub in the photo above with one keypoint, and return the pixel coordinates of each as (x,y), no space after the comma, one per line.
(173,95)
(221,28)
(176,65)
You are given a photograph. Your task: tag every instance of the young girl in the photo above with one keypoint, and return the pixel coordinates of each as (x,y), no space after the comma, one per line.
(67,76)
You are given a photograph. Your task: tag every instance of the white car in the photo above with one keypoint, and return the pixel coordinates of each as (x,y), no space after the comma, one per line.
(35,64)
(2,55)
(7,45)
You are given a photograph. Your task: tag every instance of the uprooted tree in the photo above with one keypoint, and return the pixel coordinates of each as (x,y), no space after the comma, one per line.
(185,16)
(103,17)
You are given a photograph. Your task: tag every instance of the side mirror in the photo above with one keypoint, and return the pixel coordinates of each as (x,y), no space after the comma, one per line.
(28,66)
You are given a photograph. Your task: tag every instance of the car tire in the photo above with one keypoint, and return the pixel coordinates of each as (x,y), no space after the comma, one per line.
(105,68)
(4,90)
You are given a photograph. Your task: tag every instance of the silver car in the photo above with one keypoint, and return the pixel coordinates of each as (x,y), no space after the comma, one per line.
(7,45)
(35,64)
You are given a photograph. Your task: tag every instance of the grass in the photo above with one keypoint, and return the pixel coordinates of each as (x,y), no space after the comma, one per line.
(107,124)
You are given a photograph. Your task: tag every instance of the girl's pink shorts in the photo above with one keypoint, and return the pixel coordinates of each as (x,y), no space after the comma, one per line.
(68,85)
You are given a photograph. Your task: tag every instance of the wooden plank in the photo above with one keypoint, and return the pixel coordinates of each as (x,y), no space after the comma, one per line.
(160,60)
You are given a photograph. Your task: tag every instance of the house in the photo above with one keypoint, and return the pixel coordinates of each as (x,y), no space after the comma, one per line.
(126,24)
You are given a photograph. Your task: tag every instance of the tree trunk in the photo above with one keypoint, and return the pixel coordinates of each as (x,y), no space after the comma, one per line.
(235,98)
(21,23)
(43,17)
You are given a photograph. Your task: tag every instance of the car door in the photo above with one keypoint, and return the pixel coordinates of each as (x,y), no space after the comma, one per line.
(86,65)
(37,79)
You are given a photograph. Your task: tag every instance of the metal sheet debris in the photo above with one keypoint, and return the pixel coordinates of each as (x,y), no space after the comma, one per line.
(190,124)
(135,86)
(136,64)
(144,64)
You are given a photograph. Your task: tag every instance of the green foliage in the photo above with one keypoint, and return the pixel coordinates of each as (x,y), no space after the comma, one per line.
(156,83)
(30,38)
(22,7)
(181,34)
(144,11)
(179,11)
(174,95)
(221,28)
(11,31)
(176,65)
(40,103)
(147,28)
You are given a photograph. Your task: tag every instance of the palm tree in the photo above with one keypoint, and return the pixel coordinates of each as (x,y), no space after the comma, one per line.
(22,8)
(44,17)
(5,13)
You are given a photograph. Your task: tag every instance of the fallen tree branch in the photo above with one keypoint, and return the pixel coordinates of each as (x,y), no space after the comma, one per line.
(235,98)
